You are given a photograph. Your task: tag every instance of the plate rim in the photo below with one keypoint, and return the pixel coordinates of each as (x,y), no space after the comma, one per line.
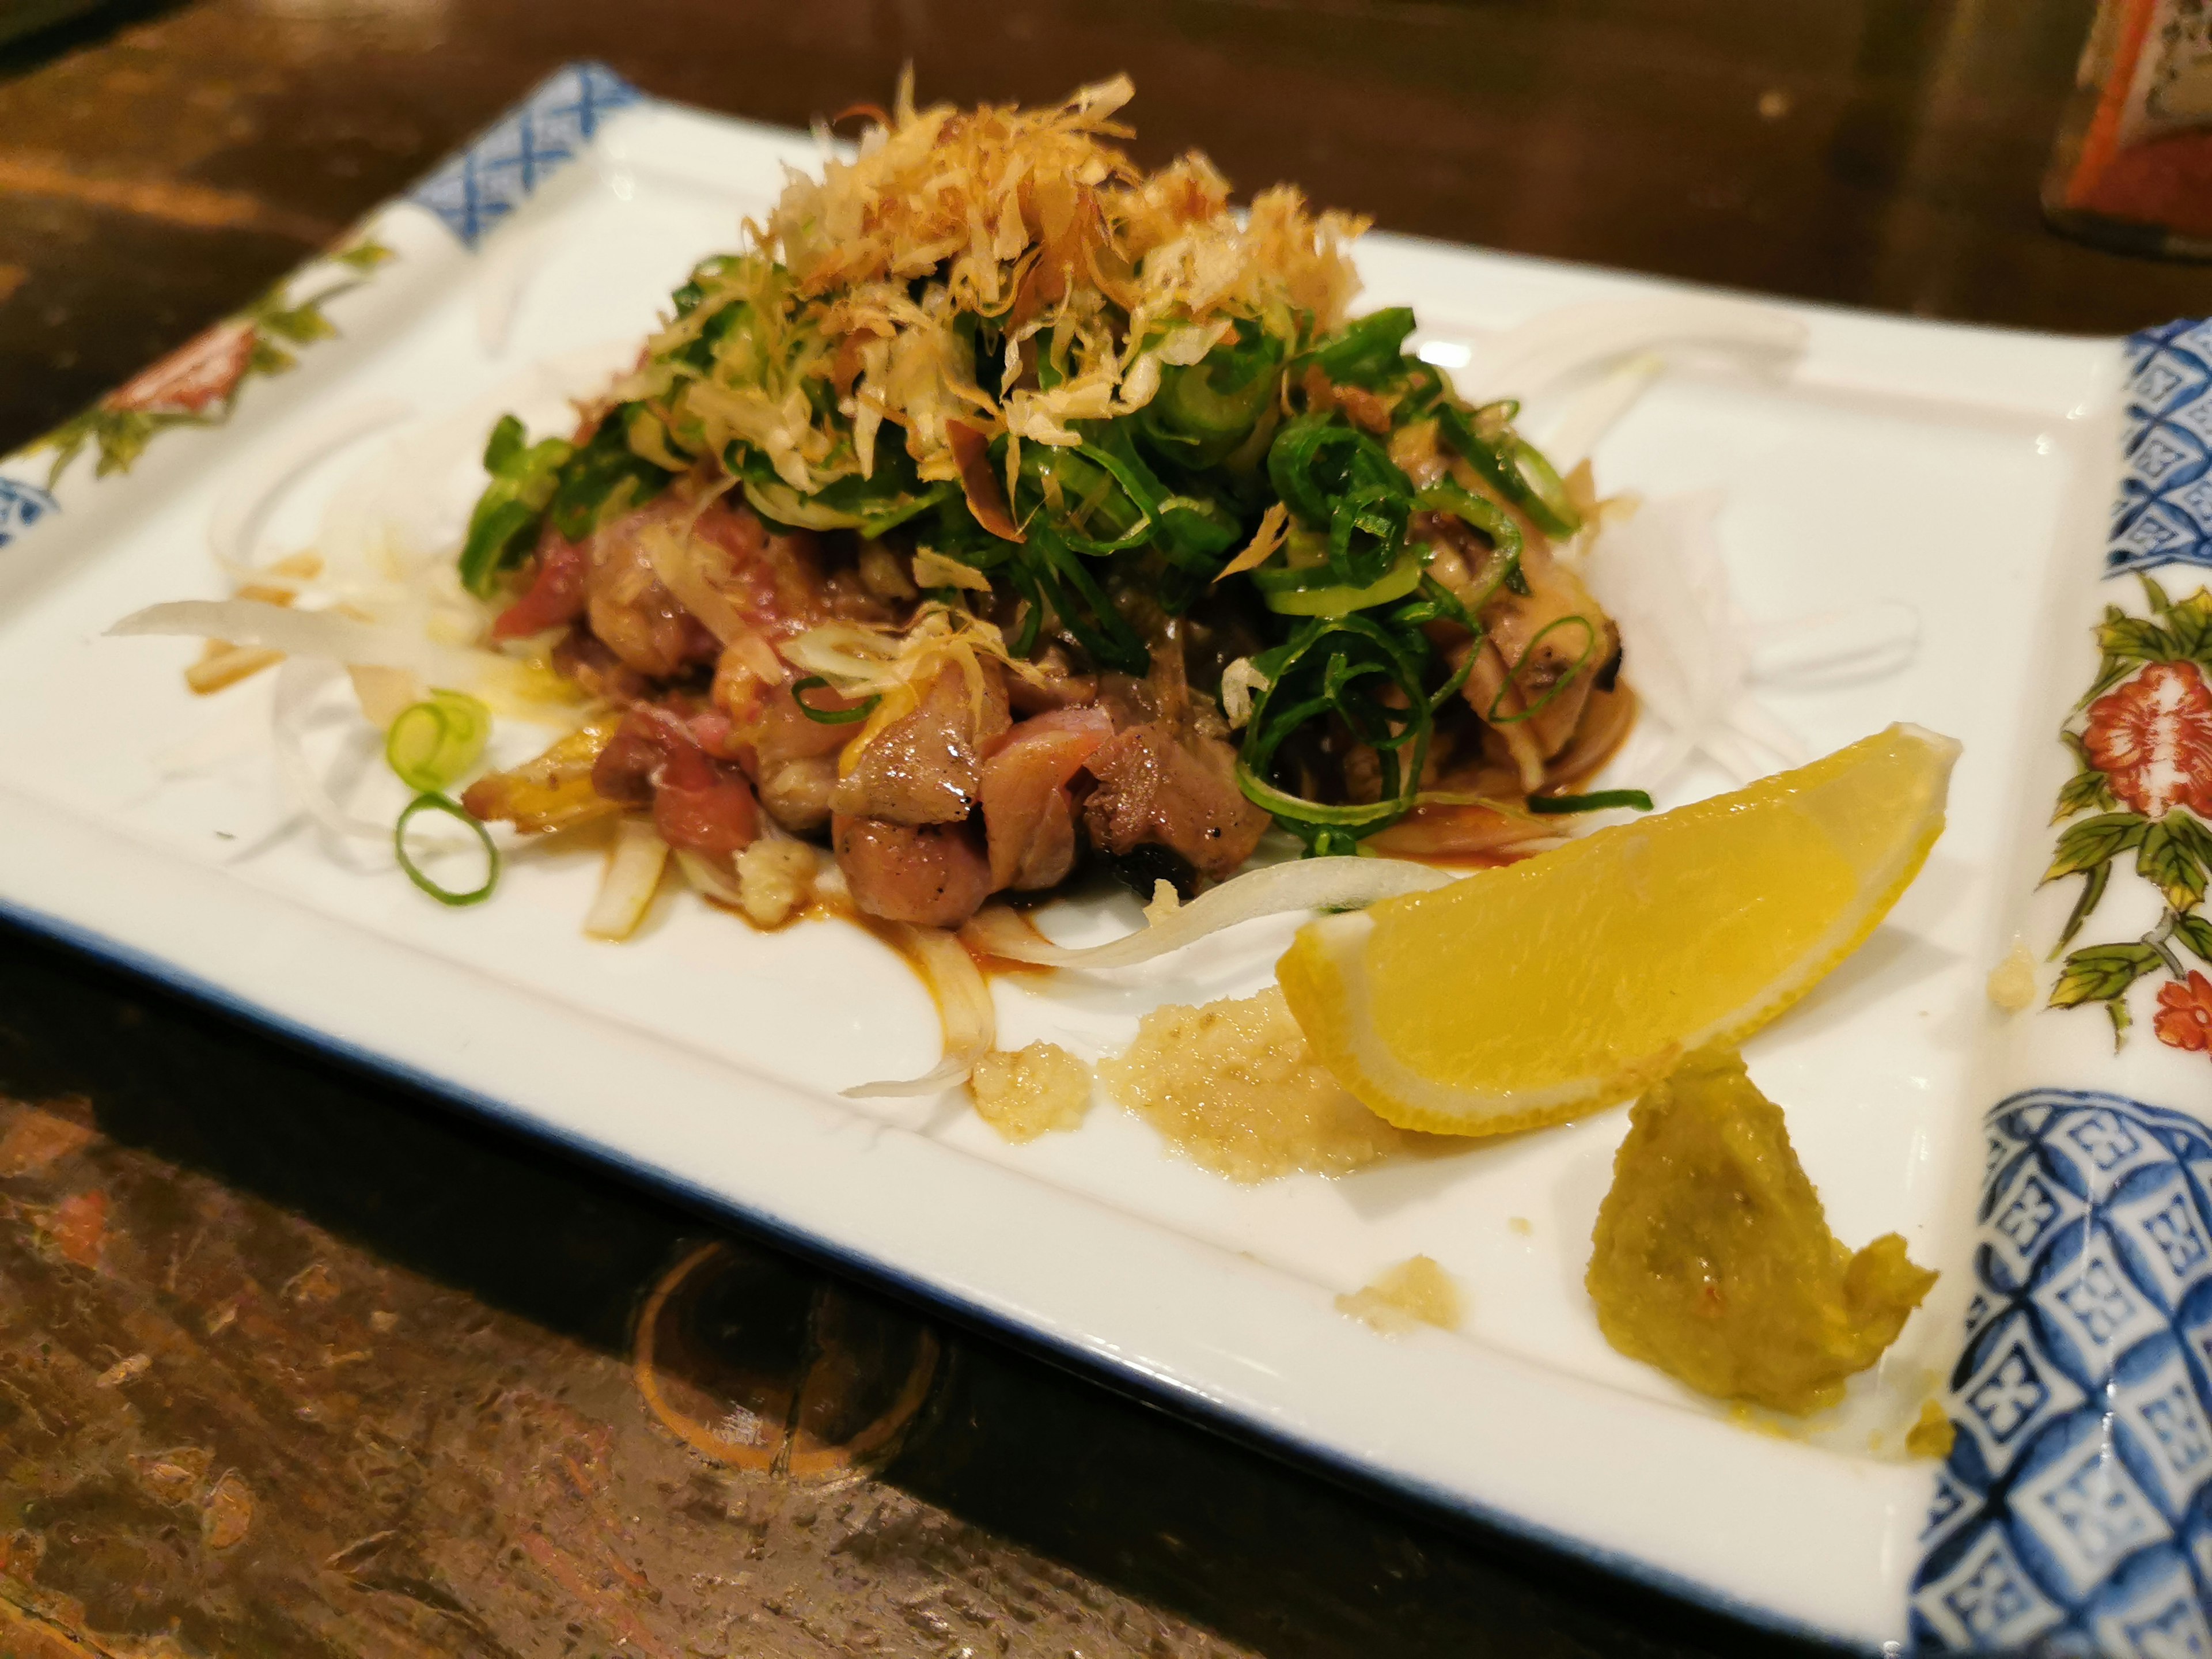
(175,976)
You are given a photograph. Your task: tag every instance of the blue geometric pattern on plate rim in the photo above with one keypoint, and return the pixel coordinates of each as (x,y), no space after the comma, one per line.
(2163,515)
(21,506)
(2073,1516)
(480,184)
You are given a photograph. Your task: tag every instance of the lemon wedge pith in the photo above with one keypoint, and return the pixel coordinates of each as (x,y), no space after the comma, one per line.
(1550,988)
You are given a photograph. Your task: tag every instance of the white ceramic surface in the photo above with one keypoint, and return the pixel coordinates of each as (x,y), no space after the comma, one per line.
(1962,472)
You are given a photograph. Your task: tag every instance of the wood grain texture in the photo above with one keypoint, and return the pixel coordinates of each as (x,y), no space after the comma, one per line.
(228,1432)
(1880,152)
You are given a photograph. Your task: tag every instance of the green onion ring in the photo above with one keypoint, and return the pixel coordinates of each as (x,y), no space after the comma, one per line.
(1599,802)
(431,744)
(1513,674)
(436,803)
(1373,815)
(1293,594)
(831,716)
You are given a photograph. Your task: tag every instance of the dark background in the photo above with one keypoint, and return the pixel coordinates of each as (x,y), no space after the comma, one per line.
(292,1361)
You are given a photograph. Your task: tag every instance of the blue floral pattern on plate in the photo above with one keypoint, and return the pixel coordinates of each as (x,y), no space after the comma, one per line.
(2074,1512)
(2164,513)
(21,506)
(482,184)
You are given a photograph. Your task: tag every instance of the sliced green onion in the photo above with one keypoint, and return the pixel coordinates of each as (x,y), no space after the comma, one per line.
(1296,810)
(1354,670)
(1081,604)
(1294,593)
(523,480)
(451,809)
(1514,467)
(1367,352)
(431,744)
(1203,413)
(1599,801)
(603,478)
(860,711)
(1513,674)
(1488,519)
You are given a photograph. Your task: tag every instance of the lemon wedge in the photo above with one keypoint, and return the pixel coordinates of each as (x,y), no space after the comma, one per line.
(1550,988)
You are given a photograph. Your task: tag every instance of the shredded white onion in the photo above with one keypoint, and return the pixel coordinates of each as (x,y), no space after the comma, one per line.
(299,682)
(385,693)
(325,634)
(1659,575)
(1337,884)
(858,660)
(843,653)
(626,887)
(240,509)
(1528,360)
(1594,412)
(964,1003)
(714,881)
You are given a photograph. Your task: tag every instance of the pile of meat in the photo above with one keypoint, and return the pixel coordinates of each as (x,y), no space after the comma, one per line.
(980,789)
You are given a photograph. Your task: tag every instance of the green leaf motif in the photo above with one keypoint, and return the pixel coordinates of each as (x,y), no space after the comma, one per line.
(2101,973)
(122,435)
(266,358)
(365,255)
(2167,858)
(2155,596)
(2092,890)
(2085,792)
(303,324)
(67,440)
(2110,672)
(2195,933)
(2190,622)
(2191,833)
(2137,639)
(2092,840)
(2117,1012)
(123,439)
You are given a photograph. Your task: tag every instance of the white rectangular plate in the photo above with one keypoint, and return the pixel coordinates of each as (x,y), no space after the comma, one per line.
(1956,471)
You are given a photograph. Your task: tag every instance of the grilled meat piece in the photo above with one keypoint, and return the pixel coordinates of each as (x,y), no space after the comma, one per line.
(1029,810)
(927,767)
(1178,791)
(935,875)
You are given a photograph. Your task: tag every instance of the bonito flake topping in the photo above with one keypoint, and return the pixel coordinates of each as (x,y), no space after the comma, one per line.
(860,294)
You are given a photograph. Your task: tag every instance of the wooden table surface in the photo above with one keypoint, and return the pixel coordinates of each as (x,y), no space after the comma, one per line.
(293,1361)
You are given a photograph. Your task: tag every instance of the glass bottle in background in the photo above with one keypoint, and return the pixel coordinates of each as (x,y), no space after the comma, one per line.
(2133,165)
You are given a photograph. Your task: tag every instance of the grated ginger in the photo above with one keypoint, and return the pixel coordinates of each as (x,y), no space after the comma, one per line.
(1032,1092)
(1232,1087)
(1415,1292)
(2012,981)
(1164,902)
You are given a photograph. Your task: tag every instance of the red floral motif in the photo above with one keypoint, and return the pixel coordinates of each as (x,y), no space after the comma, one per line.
(196,376)
(2185,1013)
(2152,738)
